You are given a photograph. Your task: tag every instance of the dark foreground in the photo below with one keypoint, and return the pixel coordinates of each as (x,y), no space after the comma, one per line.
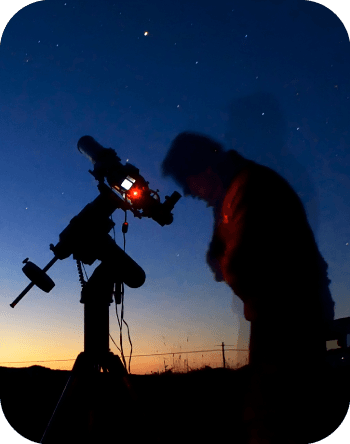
(201,406)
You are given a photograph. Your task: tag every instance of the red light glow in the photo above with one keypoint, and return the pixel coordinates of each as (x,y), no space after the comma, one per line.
(135,194)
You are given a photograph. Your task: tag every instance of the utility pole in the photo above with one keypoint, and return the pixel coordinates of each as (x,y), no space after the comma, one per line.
(223,351)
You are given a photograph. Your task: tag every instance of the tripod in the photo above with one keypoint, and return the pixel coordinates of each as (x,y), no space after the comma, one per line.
(94,406)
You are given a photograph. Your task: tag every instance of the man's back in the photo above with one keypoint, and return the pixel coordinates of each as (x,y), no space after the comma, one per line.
(268,255)
(266,248)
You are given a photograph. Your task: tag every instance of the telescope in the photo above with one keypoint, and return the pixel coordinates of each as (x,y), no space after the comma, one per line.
(127,190)
(128,183)
(86,414)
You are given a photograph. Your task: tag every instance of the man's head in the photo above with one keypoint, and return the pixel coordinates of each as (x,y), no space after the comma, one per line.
(192,161)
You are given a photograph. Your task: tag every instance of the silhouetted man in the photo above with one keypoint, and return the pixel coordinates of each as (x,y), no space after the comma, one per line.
(264,249)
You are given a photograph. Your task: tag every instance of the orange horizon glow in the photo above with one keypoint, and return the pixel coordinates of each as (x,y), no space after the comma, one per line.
(147,364)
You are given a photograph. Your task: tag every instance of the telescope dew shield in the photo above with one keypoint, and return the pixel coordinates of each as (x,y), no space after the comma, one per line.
(105,160)
(95,152)
(88,146)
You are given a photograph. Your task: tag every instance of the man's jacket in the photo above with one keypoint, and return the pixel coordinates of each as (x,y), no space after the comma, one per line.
(264,249)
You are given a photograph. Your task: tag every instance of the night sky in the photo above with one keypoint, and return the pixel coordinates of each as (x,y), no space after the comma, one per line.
(269,79)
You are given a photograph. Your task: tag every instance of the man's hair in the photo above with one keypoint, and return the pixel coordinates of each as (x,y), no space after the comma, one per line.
(190,154)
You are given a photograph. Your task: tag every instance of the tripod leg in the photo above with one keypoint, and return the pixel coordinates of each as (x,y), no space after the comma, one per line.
(70,408)
(115,366)
(131,409)
(97,407)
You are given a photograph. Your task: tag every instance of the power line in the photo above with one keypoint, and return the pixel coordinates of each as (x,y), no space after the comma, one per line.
(136,356)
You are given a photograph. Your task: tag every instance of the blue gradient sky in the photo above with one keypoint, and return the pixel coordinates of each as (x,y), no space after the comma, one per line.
(269,79)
